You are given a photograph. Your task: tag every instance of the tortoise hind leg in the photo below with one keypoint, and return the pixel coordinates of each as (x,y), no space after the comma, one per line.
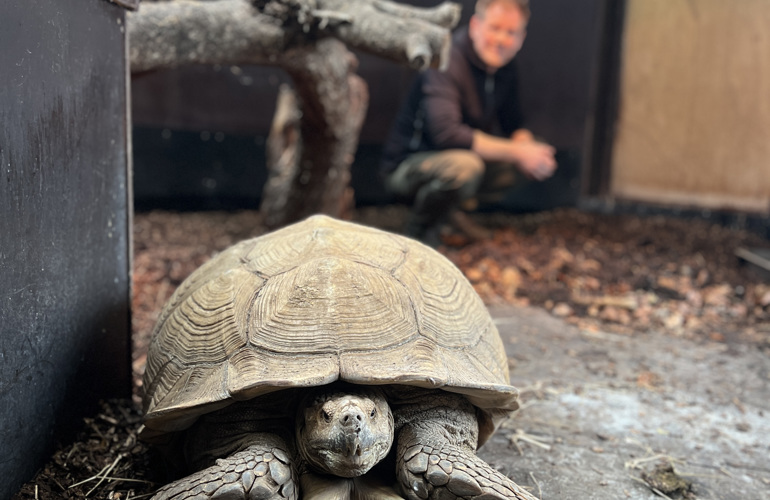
(436,456)
(261,471)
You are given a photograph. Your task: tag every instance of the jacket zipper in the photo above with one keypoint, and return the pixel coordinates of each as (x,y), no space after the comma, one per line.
(489,101)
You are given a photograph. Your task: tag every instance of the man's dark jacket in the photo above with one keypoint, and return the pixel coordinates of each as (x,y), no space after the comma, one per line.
(443,108)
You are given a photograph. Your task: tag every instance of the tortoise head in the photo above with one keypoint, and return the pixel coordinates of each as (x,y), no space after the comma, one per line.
(344,432)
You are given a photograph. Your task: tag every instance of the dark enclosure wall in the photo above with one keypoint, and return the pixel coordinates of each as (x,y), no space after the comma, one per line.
(64,223)
(200,131)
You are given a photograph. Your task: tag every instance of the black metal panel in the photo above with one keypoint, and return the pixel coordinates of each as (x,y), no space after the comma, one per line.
(198,170)
(64,223)
(557,65)
(605,102)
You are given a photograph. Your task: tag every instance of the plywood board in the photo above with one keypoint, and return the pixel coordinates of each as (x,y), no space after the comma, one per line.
(694,121)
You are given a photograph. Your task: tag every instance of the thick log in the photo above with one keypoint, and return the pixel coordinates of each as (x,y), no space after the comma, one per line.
(283,149)
(175,33)
(171,34)
(418,37)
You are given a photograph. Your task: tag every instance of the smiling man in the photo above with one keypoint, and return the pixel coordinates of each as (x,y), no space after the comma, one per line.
(460,136)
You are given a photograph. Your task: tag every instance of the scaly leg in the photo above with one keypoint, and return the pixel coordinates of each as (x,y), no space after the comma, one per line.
(262,471)
(436,455)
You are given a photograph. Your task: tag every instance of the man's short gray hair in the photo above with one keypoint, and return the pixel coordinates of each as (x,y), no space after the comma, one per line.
(483,5)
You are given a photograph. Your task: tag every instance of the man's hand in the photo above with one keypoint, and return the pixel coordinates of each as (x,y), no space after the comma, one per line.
(535,159)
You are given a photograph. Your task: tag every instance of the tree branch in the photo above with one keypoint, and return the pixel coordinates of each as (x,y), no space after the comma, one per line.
(180,32)
(170,34)
(446,15)
(309,168)
(414,40)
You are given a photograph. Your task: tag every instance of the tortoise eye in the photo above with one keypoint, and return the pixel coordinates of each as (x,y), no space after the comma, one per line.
(326,416)
(373,413)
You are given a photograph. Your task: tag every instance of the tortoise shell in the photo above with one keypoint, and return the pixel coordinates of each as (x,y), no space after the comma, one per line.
(317,302)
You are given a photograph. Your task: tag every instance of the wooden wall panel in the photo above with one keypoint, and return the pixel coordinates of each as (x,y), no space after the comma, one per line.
(694,122)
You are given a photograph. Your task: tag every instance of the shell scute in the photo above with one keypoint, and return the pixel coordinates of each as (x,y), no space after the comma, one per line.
(252,373)
(330,305)
(295,245)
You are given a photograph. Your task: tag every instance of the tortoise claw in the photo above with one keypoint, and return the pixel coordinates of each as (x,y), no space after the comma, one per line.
(453,473)
(252,474)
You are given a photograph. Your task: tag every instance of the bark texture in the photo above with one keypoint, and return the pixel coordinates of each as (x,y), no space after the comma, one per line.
(315,133)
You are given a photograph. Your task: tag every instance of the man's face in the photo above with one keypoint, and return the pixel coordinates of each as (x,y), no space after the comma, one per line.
(497,35)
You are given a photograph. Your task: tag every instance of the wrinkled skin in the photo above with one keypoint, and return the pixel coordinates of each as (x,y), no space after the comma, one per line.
(345,434)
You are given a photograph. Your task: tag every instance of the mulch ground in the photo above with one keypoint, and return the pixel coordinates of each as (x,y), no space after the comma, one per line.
(619,273)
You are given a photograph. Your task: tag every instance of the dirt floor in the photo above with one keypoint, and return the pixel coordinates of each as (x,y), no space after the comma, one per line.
(641,347)
(603,413)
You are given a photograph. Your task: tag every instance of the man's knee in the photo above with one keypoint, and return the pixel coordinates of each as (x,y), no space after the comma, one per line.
(458,170)
(461,167)
(465,165)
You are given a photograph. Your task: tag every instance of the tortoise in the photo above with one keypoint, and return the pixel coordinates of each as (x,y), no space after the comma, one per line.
(328,360)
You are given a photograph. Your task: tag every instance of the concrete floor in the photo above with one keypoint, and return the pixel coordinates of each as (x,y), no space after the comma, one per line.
(600,409)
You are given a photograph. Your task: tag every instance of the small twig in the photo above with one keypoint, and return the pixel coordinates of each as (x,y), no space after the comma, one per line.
(703,476)
(140,496)
(109,420)
(126,480)
(58,484)
(125,413)
(92,478)
(659,493)
(634,464)
(709,466)
(746,466)
(537,483)
(101,475)
(72,450)
(528,438)
(129,440)
(120,456)
(94,428)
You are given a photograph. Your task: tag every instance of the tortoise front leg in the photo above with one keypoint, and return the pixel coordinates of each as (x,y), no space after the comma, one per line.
(262,471)
(436,455)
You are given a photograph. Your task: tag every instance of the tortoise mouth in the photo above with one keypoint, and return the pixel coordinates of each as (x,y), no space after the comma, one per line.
(350,462)
(347,454)
(353,450)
